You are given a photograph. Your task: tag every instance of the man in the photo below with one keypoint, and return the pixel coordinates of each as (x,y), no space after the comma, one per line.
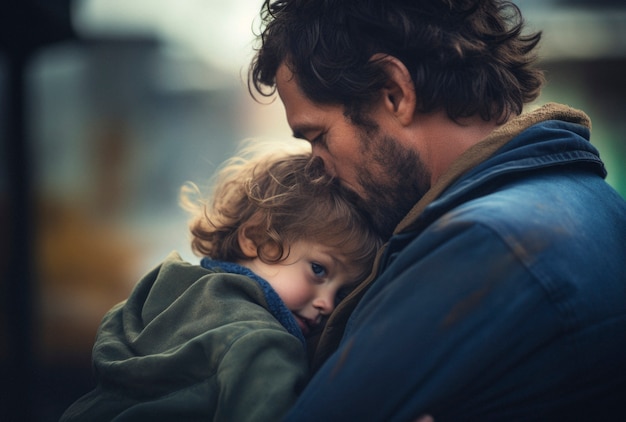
(501,293)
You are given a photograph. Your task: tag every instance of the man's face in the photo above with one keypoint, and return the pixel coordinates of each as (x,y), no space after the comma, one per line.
(388,176)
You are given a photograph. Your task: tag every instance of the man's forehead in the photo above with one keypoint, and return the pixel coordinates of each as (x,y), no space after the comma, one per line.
(306,118)
(302,114)
(288,91)
(286,80)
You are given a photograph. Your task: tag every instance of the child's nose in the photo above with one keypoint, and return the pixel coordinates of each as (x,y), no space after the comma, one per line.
(324,302)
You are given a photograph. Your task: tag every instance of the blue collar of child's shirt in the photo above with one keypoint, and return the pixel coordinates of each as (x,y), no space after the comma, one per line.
(275,304)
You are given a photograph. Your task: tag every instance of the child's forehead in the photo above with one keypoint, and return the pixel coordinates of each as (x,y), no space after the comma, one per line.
(316,246)
(341,256)
(342,253)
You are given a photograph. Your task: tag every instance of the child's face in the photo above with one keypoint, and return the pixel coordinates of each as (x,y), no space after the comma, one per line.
(307,281)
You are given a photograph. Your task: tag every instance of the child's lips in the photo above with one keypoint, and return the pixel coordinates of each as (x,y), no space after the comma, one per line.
(305,324)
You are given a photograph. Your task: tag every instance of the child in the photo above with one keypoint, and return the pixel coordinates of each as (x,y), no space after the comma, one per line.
(225,340)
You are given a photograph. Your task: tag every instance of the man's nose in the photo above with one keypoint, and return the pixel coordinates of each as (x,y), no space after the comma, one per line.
(320,156)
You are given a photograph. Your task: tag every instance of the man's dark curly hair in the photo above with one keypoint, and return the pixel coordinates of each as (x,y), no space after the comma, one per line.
(467,57)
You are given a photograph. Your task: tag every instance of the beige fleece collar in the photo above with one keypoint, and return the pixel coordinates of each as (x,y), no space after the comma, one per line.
(485,148)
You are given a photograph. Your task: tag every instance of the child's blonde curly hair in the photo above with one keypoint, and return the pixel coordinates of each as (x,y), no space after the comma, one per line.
(278,195)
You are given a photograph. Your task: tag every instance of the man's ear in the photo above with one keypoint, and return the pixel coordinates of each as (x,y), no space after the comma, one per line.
(399,91)
(246,243)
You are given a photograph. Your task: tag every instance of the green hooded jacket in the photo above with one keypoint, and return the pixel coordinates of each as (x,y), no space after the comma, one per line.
(192,343)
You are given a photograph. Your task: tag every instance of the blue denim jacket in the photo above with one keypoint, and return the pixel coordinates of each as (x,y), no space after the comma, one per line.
(503,300)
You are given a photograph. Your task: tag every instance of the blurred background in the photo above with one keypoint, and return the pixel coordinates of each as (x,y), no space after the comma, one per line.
(108,106)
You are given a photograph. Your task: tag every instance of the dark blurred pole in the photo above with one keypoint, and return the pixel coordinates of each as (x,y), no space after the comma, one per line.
(19,283)
(25,27)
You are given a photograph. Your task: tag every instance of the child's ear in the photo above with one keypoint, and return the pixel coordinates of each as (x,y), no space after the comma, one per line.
(247,245)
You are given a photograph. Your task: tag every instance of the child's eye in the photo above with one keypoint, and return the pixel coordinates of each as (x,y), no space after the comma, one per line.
(318,270)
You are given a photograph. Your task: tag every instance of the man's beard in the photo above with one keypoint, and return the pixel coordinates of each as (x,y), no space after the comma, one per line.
(392,178)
